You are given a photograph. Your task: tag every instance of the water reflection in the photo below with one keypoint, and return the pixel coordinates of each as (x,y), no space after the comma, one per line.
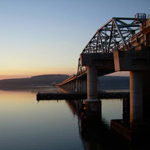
(58,125)
(31,89)
(96,133)
(89,126)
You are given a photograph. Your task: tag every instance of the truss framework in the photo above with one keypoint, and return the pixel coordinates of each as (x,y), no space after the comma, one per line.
(116,34)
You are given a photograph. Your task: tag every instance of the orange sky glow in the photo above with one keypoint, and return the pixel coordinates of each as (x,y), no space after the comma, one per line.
(47,37)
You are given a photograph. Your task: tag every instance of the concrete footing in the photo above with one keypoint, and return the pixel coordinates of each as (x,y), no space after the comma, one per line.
(139,131)
(93,107)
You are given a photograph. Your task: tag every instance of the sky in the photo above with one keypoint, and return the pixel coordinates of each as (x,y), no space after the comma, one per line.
(47,36)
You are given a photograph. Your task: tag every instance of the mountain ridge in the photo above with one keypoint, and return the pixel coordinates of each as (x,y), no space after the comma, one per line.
(51,79)
(48,79)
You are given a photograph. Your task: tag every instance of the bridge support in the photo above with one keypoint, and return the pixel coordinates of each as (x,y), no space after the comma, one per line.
(136,96)
(93,104)
(138,63)
(146,95)
(92,89)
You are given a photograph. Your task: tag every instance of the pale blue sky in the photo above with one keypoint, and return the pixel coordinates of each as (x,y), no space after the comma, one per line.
(47,36)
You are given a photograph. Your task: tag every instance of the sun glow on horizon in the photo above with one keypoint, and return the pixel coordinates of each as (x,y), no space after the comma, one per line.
(47,37)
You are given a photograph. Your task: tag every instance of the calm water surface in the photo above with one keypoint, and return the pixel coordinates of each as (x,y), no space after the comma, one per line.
(26,124)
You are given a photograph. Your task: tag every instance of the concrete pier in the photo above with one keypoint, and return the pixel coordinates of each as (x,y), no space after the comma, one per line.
(92,89)
(136,96)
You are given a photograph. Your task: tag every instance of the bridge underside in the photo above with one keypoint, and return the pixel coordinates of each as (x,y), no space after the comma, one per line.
(103,62)
(132,60)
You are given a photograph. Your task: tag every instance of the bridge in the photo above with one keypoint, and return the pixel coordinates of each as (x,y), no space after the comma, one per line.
(122,44)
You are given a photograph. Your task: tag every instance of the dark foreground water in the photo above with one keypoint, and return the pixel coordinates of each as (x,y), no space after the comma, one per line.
(26,124)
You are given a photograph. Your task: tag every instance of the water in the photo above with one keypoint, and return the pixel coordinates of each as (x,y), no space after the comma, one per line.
(26,124)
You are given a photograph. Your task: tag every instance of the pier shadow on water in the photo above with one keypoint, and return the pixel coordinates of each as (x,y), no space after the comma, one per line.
(96,134)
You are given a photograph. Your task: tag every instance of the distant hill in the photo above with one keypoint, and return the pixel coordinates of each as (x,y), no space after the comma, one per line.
(104,82)
(41,80)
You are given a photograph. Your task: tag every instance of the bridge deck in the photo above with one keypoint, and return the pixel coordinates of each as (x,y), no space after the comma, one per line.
(79,96)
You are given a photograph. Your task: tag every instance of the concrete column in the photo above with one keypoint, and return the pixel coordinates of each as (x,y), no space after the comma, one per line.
(74,86)
(136,97)
(85,86)
(77,86)
(81,86)
(146,95)
(92,90)
(85,89)
(71,86)
(92,104)
(146,84)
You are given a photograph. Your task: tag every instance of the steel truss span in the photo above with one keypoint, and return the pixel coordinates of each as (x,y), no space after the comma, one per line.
(116,34)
